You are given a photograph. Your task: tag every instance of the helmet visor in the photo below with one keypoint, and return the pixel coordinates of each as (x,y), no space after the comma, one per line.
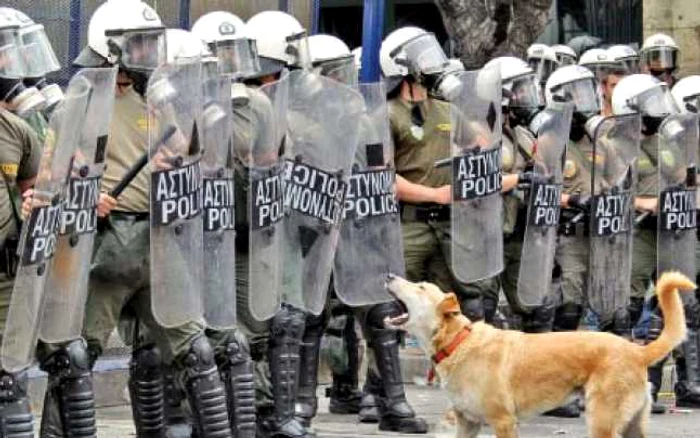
(425,55)
(583,93)
(342,70)
(655,102)
(298,48)
(237,57)
(40,59)
(659,58)
(542,67)
(629,65)
(525,92)
(143,49)
(565,59)
(11,61)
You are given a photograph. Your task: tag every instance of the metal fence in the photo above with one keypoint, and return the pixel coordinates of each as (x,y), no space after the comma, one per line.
(615,21)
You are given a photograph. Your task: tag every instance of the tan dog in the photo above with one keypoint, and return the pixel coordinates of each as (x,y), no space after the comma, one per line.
(500,376)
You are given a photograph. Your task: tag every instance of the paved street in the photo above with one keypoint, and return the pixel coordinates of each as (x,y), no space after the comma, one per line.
(116,422)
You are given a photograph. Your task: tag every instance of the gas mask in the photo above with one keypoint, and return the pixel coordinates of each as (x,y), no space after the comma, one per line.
(239,95)
(138,52)
(23,100)
(582,124)
(445,85)
(426,62)
(523,99)
(52,92)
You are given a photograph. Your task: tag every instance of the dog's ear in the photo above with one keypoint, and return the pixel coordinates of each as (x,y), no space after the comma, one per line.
(449,306)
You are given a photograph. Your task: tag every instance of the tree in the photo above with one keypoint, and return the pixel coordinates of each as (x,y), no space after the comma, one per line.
(484,29)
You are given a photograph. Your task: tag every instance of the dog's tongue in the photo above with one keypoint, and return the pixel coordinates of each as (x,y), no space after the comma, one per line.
(396,321)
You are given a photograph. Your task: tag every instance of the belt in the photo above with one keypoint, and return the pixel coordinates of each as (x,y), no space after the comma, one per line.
(425,212)
(566,228)
(129,215)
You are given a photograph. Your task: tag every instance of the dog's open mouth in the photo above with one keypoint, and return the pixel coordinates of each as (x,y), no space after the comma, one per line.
(399,321)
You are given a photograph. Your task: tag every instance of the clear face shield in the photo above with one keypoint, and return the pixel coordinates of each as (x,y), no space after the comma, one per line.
(12,69)
(38,53)
(656,102)
(423,55)
(524,92)
(11,60)
(583,93)
(298,48)
(629,65)
(237,57)
(342,70)
(543,68)
(139,49)
(658,60)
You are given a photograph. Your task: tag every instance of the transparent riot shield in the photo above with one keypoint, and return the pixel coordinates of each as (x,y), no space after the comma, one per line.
(259,131)
(40,230)
(67,282)
(174,104)
(219,220)
(477,226)
(615,151)
(677,167)
(540,239)
(323,120)
(370,245)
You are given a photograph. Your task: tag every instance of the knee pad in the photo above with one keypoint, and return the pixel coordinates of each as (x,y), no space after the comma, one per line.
(314,325)
(13,386)
(200,356)
(567,317)
(287,323)
(473,308)
(70,360)
(145,359)
(540,319)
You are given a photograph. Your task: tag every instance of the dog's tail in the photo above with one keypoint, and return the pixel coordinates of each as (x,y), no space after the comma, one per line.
(674,320)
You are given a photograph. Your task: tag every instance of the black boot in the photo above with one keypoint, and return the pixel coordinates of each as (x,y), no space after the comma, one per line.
(687,388)
(344,393)
(539,319)
(306,401)
(178,421)
(369,405)
(16,420)
(236,370)
(396,414)
(205,391)
(569,410)
(286,331)
(146,391)
(69,403)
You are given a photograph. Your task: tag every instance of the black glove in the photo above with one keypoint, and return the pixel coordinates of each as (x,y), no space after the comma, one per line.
(580,202)
(529,178)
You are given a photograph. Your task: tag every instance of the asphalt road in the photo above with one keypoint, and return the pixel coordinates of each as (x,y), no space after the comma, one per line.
(430,403)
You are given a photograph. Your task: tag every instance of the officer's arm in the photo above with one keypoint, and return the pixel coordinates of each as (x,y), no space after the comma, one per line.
(413,193)
(510,182)
(646,204)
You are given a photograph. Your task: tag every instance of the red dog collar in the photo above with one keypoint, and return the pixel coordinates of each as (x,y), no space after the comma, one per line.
(447,351)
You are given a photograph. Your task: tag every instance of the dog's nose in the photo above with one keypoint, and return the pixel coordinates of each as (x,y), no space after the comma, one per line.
(390,277)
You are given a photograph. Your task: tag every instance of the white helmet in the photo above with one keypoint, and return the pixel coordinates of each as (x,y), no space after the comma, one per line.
(576,84)
(597,61)
(183,45)
(39,56)
(332,58)
(624,57)
(659,52)
(281,41)
(519,83)
(565,55)
(686,93)
(543,60)
(411,50)
(643,94)
(227,37)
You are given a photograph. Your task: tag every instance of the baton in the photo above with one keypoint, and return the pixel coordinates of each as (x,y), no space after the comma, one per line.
(140,164)
(442,163)
(639,219)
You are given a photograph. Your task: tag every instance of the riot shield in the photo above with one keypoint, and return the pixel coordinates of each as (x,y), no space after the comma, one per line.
(370,245)
(39,233)
(67,282)
(259,133)
(323,119)
(219,220)
(540,239)
(615,150)
(677,167)
(174,104)
(477,226)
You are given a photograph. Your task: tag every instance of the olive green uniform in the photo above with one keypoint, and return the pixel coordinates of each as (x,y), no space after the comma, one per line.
(426,228)
(20,155)
(121,269)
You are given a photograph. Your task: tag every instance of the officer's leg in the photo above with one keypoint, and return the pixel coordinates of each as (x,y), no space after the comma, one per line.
(572,260)
(306,401)
(16,419)
(419,245)
(188,349)
(69,402)
(395,412)
(343,340)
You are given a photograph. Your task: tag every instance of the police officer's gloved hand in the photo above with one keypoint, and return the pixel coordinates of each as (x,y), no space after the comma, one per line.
(529,178)
(580,202)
